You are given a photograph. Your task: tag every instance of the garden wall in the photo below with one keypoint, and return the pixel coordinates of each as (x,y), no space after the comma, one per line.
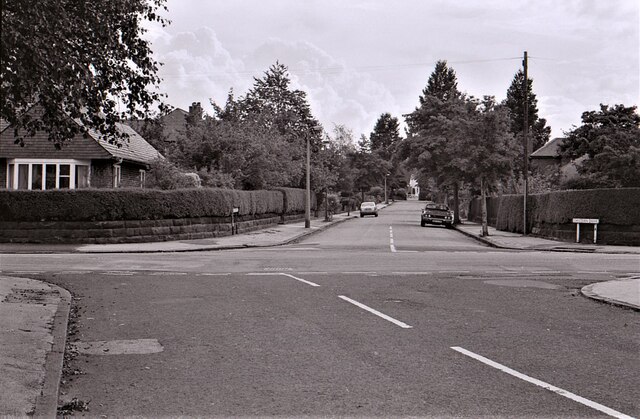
(550,214)
(137,215)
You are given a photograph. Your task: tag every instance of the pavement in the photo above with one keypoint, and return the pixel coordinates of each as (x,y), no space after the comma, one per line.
(34,314)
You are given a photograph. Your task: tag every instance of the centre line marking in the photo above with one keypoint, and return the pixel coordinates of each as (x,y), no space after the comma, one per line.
(565,393)
(376,312)
(391,245)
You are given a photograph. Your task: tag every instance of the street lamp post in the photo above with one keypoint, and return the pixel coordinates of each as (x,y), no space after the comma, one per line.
(307,201)
(386,198)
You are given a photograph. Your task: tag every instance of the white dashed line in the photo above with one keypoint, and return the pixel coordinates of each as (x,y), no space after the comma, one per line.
(376,312)
(557,390)
(215,274)
(391,245)
(313,284)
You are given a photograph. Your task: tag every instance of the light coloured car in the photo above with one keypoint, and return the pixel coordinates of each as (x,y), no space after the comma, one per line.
(368,208)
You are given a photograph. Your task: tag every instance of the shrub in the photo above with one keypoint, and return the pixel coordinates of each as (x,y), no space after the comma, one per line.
(294,200)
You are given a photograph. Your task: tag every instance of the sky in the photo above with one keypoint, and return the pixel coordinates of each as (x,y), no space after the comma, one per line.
(357,59)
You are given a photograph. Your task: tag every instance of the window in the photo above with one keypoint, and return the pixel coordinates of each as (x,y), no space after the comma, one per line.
(64,176)
(117,175)
(50,174)
(143,177)
(29,174)
(23,176)
(82,176)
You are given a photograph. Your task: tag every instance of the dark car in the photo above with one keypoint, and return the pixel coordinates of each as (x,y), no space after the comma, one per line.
(436,214)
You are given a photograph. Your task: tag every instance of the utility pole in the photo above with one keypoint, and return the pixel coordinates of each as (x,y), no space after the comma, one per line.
(525,142)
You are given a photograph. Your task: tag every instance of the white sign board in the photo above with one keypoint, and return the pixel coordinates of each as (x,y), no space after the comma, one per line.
(586,221)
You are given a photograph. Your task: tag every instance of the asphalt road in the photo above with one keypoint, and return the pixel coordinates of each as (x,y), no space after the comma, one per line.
(373,317)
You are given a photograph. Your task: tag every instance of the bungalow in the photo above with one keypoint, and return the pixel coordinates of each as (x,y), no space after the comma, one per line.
(547,160)
(82,162)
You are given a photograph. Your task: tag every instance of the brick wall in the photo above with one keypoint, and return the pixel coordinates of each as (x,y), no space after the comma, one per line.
(3,173)
(137,231)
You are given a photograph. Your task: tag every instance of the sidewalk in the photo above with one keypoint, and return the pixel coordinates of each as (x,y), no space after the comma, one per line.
(33,314)
(625,292)
(278,235)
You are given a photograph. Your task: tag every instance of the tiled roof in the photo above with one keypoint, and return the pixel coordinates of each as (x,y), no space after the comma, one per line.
(135,148)
(549,150)
(3,124)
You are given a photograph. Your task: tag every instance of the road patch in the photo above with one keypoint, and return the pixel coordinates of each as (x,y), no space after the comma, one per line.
(119,347)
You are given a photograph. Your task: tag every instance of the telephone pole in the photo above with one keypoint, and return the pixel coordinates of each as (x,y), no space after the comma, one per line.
(525,141)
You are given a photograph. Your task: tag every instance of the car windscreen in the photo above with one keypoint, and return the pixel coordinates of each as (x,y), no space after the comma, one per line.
(437,207)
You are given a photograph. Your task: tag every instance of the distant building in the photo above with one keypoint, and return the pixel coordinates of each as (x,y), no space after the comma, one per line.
(547,160)
(81,162)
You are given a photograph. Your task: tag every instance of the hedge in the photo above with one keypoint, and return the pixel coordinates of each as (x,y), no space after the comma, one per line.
(617,210)
(294,200)
(143,204)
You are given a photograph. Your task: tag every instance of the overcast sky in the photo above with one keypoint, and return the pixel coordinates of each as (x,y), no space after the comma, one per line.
(357,59)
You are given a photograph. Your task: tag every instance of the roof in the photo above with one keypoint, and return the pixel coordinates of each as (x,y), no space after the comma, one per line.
(549,150)
(135,149)
(174,125)
(94,146)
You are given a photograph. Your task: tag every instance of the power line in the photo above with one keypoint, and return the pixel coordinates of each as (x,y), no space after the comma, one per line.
(338,69)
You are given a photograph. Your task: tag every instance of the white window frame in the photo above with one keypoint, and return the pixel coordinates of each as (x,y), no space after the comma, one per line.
(43,162)
(143,178)
(117,175)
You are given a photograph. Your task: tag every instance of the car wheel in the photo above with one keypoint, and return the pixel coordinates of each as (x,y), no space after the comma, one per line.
(361,215)
(422,223)
(376,215)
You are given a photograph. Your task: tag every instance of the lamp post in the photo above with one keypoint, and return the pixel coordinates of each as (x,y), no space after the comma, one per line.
(386,198)
(307,200)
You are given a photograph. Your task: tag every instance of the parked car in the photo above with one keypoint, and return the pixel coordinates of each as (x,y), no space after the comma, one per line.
(436,214)
(368,208)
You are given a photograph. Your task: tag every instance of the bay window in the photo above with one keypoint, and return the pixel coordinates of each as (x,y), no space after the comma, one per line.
(30,174)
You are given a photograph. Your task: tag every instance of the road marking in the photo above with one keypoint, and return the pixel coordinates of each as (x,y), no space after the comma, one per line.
(411,273)
(359,273)
(391,245)
(167,273)
(214,274)
(565,393)
(376,312)
(119,273)
(313,284)
(313,273)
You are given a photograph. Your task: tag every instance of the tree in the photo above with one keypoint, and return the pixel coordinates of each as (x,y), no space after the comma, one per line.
(442,83)
(490,149)
(538,129)
(386,133)
(607,147)
(77,59)
(432,135)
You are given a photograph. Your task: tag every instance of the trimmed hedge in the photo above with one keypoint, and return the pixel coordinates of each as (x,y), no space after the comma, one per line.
(552,213)
(294,200)
(141,204)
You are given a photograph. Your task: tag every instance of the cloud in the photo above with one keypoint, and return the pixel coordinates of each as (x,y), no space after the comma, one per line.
(197,68)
